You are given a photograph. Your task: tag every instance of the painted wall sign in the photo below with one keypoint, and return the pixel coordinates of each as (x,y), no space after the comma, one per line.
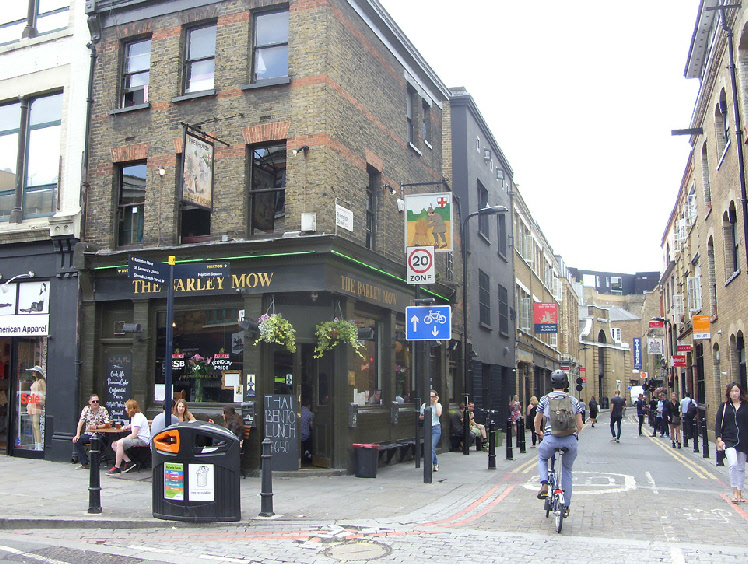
(546,317)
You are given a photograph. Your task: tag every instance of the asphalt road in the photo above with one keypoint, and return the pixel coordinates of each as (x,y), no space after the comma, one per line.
(635,501)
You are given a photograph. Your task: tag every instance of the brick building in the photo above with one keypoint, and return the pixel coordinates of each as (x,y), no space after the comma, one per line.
(300,126)
(44,68)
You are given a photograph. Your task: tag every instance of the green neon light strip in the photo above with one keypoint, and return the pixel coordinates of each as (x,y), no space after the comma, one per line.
(385,273)
(220,259)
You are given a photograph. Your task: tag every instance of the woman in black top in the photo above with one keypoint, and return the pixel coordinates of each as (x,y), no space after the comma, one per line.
(593,410)
(672,412)
(732,436)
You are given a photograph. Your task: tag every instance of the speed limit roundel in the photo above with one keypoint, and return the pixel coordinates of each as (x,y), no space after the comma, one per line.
(421,265)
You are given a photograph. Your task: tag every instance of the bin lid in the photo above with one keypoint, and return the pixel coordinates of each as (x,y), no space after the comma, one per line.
(361,445)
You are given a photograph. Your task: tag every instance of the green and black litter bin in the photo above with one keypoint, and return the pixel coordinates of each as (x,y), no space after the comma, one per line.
(367,458)
(196,469)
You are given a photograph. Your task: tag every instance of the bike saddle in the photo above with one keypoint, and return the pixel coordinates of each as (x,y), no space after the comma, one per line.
(562,449)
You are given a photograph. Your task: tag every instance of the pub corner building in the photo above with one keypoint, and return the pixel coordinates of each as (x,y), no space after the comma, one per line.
(355,398)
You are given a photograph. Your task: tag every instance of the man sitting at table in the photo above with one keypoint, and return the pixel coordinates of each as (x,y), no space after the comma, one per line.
(93,417)
(159,422)
(140,436)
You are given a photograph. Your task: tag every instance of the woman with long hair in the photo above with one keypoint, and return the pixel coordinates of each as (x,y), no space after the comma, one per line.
(674,419)
(140,435)
(732,435)
(532,411)
(182,412)
(234,421)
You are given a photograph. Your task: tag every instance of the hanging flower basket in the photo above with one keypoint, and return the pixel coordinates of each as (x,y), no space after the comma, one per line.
(332,333)
(275,329)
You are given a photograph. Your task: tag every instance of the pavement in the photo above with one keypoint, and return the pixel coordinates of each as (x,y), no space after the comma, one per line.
(56,494)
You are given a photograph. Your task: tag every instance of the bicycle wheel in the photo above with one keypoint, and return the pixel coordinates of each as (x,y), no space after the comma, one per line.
(547,507)
(560,509)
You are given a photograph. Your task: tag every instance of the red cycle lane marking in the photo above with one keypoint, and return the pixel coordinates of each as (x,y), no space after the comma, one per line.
(484,510)
(735,506)
(466,510)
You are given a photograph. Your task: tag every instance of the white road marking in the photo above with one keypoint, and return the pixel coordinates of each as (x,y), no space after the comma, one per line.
(652,483)
(593,483)
(677,555)
(31,555)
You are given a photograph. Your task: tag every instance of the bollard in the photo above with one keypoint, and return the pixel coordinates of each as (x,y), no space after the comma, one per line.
(521,435)
(686,432)
(266,495)
(491,444)
(428,445)
(704,440)
(417,449)
(695,434)
(509,452)
(720,458)
(94,480)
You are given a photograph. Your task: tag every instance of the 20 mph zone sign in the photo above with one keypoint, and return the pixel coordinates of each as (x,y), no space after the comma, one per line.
(421,265)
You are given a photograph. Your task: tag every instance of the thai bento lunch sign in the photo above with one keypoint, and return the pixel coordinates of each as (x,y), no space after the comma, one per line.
(428,221)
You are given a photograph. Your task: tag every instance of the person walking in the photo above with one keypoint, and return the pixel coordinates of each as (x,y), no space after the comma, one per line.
(617,411)
(436,426)
(641,411)
(661,419)
(731,430)
(593,410)
(532,411)
(688,409)
(516,408)
(674,419)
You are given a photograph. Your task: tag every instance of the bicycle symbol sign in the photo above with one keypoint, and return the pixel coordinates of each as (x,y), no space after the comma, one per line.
(421,265)
(424,323)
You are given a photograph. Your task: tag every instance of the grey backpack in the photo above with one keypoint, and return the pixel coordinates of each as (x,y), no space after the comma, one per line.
(562,417)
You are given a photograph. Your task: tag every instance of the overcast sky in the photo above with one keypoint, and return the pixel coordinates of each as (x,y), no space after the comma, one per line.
(581,96)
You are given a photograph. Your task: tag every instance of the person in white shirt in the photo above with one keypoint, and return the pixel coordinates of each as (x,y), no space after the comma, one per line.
(140,435)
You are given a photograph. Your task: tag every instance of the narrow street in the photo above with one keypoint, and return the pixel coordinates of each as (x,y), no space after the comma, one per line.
(633,498)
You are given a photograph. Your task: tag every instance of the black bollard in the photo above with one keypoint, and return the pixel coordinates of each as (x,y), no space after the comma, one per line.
(704,440)
(427,446)
(419,428)
(521,435)
(94,480)
(509,452)
(695,434)
(491,444)
(686,432)
(266,495)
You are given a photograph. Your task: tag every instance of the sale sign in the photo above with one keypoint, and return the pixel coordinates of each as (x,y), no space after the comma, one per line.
(701,329)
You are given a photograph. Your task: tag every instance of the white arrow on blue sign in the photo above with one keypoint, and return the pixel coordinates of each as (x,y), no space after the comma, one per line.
(426,323)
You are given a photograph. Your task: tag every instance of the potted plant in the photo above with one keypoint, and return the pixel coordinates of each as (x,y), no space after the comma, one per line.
(275,329)
(200,368)
(332,333)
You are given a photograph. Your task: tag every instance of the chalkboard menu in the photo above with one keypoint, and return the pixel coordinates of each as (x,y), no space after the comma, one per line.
(282,429)
(118,387)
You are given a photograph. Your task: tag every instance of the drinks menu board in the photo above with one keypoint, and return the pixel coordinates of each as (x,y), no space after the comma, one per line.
(118,387)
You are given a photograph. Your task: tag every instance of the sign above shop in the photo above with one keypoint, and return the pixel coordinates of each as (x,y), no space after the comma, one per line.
(684,348)
(701,328)
(428,221)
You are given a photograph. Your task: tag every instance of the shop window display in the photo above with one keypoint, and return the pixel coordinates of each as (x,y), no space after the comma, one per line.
(367,382)
(30,394)
(208,349)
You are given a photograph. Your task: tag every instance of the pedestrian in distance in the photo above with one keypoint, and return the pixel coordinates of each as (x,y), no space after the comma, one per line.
(593,410)
(617,411)
(568,411)
(516,408)
(532,411)
(653,414)
(641,411)
(731,430)
(436,427)
(674,419)
(688,410)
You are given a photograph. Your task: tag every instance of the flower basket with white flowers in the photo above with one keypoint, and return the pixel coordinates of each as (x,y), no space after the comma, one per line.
(274,328)
(332,333)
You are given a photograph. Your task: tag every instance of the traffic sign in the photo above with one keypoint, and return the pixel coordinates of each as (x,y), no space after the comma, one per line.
(421,268)
(426,323)
(140,268)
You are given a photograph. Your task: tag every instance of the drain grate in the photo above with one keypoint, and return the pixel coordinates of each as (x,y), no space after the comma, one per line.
(358,550)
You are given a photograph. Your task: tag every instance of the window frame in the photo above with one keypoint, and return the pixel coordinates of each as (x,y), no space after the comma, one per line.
(189,61)
(30,22)
(484,298)
(410,113)
(501,234)
(125,90)
(370,210)
(483,229)
(426,122)
(252,193)
(503,297)
(258,49)
(122,206)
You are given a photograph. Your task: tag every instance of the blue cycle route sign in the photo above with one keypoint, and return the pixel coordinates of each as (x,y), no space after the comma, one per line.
(426,323)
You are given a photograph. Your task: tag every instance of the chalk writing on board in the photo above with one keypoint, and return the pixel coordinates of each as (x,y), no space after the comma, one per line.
(118,373)
(281,428)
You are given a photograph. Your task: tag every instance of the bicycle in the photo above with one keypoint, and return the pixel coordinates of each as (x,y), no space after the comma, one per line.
(555,502)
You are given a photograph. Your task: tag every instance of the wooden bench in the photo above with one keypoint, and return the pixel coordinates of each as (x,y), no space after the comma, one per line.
(401,447)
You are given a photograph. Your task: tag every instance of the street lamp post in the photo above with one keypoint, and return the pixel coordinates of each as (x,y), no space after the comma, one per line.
(488,210)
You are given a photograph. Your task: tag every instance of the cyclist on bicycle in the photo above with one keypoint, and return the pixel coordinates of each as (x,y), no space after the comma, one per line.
(549,444)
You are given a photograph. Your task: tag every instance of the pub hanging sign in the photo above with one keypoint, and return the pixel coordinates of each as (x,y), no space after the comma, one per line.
(197,171)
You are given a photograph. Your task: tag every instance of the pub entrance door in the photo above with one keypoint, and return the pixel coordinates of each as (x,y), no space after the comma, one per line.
(316,387)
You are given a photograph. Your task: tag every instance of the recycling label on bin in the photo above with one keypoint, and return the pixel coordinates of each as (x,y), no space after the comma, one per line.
(202,482)
(174,481)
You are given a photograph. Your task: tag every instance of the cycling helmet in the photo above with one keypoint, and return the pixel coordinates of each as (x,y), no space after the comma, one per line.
(559,380)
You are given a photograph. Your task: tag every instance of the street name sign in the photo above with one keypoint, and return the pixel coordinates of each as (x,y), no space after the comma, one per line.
(427,323)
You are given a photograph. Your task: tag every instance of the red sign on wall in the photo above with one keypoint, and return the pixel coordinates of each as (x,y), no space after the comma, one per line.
(656,324)
(679,360)
(684,348)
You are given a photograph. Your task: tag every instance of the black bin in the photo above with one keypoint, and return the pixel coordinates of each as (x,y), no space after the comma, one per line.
(367,458)
(196,469)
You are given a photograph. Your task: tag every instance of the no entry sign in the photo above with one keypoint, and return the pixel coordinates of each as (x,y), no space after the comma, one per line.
(421,265)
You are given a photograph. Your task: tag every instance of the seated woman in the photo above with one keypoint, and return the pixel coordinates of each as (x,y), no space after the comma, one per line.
(234,421)
(140,435)
(182,413)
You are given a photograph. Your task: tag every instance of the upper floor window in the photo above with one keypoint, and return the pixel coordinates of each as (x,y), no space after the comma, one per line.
(370,226)
(426,122)
(722,124)
(270,46)
(131,203)
(31,129)
(501,228)
(731,239)
(484,297)
(410,114)
(615,332)
(200,59)
(268,189)
(136,73)
(503,310)
(705,179)
(482,203)
(30,18)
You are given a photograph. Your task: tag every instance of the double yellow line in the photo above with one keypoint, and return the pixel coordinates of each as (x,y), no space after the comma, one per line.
(700,472)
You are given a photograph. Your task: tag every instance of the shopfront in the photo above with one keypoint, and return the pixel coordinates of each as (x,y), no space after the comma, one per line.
(215,362)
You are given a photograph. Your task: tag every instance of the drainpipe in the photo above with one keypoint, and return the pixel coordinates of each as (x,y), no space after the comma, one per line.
(738,129)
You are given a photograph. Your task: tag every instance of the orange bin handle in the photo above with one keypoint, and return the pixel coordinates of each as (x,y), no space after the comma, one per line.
(167,441)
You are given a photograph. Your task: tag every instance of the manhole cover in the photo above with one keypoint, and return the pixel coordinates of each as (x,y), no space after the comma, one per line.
(362,550)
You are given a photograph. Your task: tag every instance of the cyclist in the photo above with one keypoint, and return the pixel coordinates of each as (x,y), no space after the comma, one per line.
(549,444)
